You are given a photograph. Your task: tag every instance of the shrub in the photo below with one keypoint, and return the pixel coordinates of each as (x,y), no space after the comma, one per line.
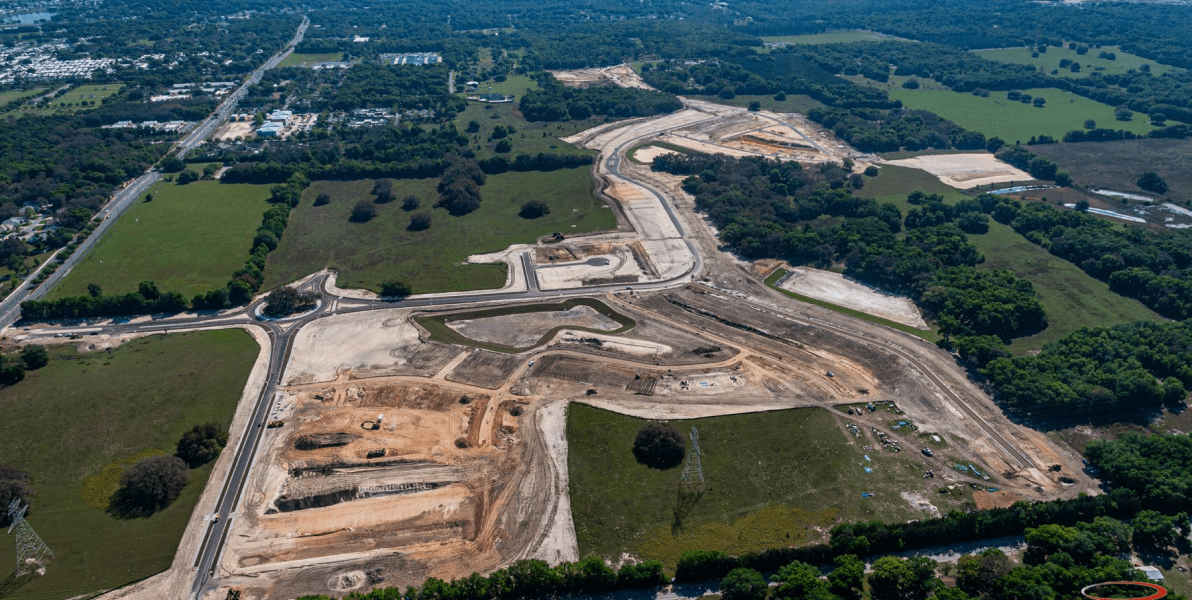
(534,209)
(34,357)
(410,203)
(419,222)
(871,171)
(322,199)
(149,486)
(187,176)
(659,446)
(363,212)
(201,444)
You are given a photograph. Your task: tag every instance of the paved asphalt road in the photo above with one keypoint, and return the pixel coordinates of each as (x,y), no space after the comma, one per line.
(10,307)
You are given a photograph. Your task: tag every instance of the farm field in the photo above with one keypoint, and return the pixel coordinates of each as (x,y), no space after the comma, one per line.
(1089,63)
(530,138)
(831,37)
(1072,298)
(69,102)
(770,477)
(1116,165)
(366,254)
(306,60)
(189,239)
(65,422)
(996,116)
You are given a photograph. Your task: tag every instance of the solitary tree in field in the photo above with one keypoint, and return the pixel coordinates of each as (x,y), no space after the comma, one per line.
(534,209)
(410,203)
(363,212)
(322,199)
(659,446)
(419,222)
(1151,182)
(201,444)
(1090,124)
(395,289)
(149,486)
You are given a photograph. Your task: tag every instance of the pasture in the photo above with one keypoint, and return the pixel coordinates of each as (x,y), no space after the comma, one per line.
(305,60)
(188,239)
(1090,62)
(772,479)
(1117,165)
(83,97)
(367,254)
(83,412)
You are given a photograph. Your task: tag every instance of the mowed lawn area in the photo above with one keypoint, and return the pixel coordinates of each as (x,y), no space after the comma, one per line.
(1011,120)
(769,478)
(1072,298)
(189,239)
(367,254)
(893,184)
(1089,63)
(65,422)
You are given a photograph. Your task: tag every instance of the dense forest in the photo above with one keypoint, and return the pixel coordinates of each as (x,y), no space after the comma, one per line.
(770,209)
(1104,373)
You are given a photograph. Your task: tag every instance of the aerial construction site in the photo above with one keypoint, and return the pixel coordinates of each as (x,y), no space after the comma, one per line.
(391,443)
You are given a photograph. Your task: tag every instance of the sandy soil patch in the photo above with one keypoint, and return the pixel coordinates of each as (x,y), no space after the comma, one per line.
(965,170)
(640,348)
(559,544)
(234,129)
(519,331)
(647,154)
(835,288)
(621,75)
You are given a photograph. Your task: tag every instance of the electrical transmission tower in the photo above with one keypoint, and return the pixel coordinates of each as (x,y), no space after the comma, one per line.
(693,470)
(32,553)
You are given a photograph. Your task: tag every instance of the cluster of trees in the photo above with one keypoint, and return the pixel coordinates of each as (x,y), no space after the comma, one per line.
(1040,167)
(553,101)
(527,580)
(1099,372)
(370,84)
(769,209)
(1154,465)
(459,186)
(287,300)
(1153,266)
(878,130)
(202,444)
(14,485)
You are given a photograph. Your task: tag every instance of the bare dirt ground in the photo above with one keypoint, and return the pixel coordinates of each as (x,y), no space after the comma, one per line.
(647,154)
(965,171)
(621,75)
(835,288)
(519,331)
(233,130)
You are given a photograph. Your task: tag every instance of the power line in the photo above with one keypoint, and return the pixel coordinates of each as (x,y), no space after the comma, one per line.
(32,553)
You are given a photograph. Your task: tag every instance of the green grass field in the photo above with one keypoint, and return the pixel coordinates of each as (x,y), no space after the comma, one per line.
(831,37)
(305,60)
(366,254)
(893,184)
(1072,298)
(69,102)
(530,138)
(189,239)
(514,85)
(1089,63)
(68,420)
(438,329)
(930,335)
(1012,120)
(9,96)
(769,477)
